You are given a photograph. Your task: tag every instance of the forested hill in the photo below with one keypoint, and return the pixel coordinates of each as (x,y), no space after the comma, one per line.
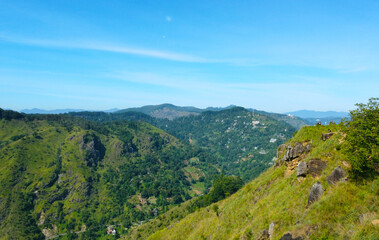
(60,175)
(324,185)
(243,142)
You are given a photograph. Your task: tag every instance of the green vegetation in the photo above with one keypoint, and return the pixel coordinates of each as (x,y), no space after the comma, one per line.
(345,210)
(362,145)
(242,143)
(62,174)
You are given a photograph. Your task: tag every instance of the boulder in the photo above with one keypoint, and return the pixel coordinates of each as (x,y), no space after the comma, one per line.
(293,152)
(297,150)
(326,136)
(308,148)
(315,193)
(301,169)
(316,166)
(337,175)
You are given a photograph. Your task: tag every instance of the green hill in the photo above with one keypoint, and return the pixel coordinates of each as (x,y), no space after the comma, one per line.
(61,174)
(243,142)
(310,193)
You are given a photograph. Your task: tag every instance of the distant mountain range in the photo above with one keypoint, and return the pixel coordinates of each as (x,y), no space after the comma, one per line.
(318,114)
(324,117)
(59,111)
(170,111)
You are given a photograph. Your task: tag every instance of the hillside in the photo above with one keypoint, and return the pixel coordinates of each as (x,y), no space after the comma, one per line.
(60,174)
(278,202)
(244,143)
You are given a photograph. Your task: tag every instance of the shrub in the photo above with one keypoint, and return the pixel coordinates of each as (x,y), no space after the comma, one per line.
(362,140)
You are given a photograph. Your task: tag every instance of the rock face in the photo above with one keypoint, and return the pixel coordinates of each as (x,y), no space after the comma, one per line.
(293,152)
(326,136)
(315,193)
(337,175)
(302,169)
(316,166)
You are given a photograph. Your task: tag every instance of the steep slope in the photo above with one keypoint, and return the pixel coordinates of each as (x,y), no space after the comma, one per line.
(61,174)
(243,142)
(278,203)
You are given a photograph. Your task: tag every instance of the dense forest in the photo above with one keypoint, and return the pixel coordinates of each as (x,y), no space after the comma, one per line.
(61,173)
(242,142)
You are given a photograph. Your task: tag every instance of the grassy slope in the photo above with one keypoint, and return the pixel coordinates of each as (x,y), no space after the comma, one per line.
(28,162)
(345,211)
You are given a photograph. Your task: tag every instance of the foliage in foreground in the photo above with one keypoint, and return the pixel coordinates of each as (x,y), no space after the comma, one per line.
(362,140)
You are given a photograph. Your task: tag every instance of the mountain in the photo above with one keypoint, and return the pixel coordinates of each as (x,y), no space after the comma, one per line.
(166,110)
(294,121)
(60,174)
(308,194)
(244,143)
(58,111)
(314,117)
(318,114)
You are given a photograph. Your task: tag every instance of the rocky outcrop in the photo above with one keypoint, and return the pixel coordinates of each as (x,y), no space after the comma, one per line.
(315,193)
(302,169)
(326,136)
(316,166)
(291,152)
(337,175)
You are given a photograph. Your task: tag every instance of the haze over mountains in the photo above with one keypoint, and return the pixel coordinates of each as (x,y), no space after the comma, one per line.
(171,112)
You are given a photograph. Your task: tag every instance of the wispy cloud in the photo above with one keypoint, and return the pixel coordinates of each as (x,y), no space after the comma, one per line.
(168,19)
(109,47)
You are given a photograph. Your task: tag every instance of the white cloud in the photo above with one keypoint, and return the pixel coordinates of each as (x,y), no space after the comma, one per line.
(110,47)
(168,19)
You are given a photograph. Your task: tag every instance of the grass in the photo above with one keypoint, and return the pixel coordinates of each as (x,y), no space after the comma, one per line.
(344,211)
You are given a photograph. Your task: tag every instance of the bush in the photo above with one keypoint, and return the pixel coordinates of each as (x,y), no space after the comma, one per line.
(362,140)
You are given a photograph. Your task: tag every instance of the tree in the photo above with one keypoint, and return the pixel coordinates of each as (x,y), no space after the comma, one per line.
(362,140)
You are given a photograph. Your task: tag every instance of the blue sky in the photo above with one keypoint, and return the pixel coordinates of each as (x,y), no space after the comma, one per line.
(271,55)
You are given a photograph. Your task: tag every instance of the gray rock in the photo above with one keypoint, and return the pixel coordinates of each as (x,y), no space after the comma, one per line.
(308,148)
(271,230)
(337,175)
(297,150)
(302,169)
(316,166)
(315,193)
(326,136)
(293,152)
